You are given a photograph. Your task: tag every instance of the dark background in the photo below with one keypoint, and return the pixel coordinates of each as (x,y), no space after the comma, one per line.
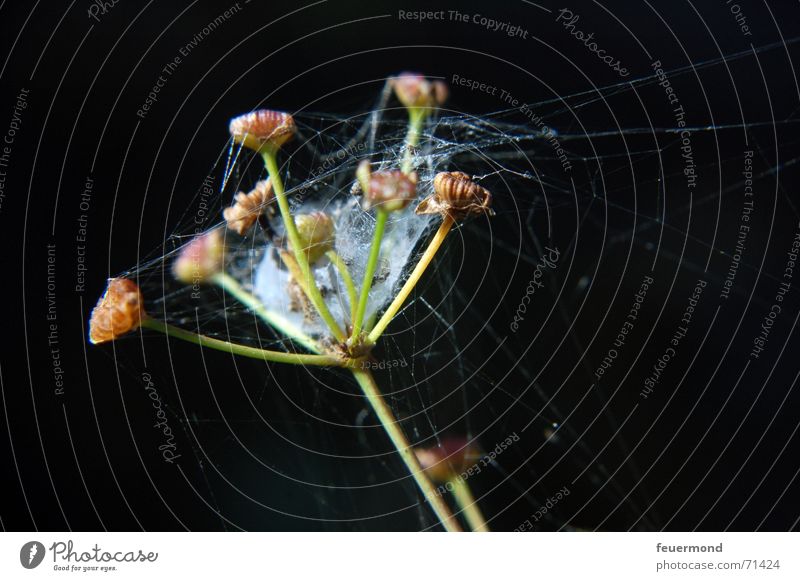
(87,459)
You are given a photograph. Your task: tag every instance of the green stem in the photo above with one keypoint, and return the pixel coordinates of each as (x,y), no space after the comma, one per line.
(412,280)
(352,295)
(372,264)
(416,117)
(270,160)
(466,502)
(370,388)
(243,350)
(273,319)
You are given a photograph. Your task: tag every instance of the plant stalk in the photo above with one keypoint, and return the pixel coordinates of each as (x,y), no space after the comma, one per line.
(412,280)
(372,264)
(469,507)
(273,319)
(344,272)
(243,350)
(370,388)
(271,162)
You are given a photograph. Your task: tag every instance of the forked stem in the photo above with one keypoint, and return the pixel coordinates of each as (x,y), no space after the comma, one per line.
(243,350)
(412,280)
(372,264)
(271,162)
(370,389)
(273,319)
(344,272)
(469,507)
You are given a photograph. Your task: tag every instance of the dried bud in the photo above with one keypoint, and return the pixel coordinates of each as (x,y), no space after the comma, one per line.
(317,234)
(390,190)
(199,260)
(262,129)
(447,460)
(457,196)
(248,208)
(415,91)
(119,311)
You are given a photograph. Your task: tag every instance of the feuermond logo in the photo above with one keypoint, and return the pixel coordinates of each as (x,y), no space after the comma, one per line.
(31,554)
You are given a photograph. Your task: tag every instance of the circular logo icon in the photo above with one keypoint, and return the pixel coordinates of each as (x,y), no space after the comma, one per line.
(31,554)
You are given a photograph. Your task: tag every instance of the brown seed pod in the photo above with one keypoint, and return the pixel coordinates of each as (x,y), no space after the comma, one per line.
(249,208)
(317,234)
(119,311)
(457,196)
(200,259)
(446,461)
(415,91)
(262,129)
(389,190)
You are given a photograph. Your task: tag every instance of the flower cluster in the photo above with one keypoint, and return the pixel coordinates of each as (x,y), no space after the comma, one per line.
(335,318)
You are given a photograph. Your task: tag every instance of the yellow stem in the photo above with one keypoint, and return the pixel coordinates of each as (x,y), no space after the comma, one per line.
(243,350)
(372,264)
(412,281)
(372,392)
(352,295)
(466,502)
(294,270)
(271,162)
(273,319)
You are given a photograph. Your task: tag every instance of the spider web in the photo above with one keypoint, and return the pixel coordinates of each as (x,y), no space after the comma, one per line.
(451,363)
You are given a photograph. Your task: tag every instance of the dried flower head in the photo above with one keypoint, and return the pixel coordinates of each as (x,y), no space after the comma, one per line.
(119,311)
(250,207)
(415,91)
(201,259)
(317,234)
(447,460)
(389,190)
(457,196)
(262,129)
